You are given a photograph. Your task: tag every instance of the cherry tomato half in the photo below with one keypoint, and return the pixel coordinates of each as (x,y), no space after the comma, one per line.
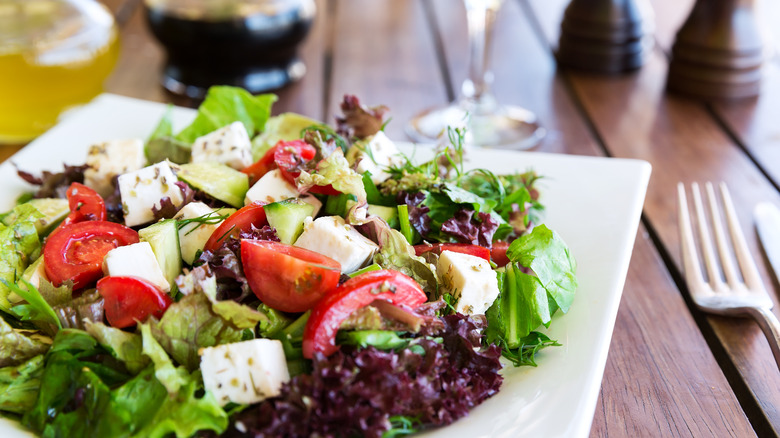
(131,299)
(290,155)
(286,277)
(240,221)
(295,153)
(498,253)
(85,205)
(75,252)
(464,248)
(327,316)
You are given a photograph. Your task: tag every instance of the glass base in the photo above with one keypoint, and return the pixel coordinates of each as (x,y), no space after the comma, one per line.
(497,126)
(194,84)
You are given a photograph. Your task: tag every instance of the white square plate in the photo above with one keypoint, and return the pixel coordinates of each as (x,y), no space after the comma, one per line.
(593,203)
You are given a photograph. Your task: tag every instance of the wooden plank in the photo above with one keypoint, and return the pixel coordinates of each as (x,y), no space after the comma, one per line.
(659,365)
(660,379)
(636,119)
(384,54)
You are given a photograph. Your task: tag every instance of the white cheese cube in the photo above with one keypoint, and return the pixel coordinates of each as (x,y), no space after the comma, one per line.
(332,237)
(244,372)
(376,156)
(229,145)
(272,187)
(144,189)
(194,235)
(469,279)
(136,260)
(107,160)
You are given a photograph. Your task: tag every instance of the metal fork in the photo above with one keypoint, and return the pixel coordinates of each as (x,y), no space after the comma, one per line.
(745,296)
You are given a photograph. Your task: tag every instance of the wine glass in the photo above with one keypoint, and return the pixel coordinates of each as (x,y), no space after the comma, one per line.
(487,122)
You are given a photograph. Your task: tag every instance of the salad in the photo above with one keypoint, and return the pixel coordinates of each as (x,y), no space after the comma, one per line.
(270,276)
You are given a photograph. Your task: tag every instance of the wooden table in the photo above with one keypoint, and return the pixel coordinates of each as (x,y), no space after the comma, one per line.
(672,371)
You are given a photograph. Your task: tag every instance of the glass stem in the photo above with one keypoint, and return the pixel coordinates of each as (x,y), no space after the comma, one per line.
(480,16)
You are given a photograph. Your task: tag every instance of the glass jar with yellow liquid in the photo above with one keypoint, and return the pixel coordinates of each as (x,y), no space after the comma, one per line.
(54,55)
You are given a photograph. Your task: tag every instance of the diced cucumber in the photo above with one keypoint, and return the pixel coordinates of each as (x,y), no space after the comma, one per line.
(164,240)
(287,218)
(54,210)
(338,205)
(217,180)
(389,214)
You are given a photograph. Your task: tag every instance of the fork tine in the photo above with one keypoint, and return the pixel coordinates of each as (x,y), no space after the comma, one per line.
(746,262)
(693,274)
(726,262)
(706,241)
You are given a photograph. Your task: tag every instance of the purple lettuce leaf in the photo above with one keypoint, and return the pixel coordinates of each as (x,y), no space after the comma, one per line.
(359,121)
(467,229)
(356,392)
(54,184)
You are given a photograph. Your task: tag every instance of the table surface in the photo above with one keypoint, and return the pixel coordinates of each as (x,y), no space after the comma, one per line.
(672,370)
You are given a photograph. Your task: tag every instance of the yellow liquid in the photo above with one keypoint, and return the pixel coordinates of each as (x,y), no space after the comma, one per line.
(36,87)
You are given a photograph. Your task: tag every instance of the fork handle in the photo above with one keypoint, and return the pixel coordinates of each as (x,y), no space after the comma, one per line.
(771,327)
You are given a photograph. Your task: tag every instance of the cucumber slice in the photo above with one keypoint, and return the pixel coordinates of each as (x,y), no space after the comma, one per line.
(287,218)
(389,214)
(54,210)
(217,180)
(164,240)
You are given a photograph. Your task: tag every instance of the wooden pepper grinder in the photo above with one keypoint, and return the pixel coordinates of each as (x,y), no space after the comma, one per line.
(718,52)
(606,36)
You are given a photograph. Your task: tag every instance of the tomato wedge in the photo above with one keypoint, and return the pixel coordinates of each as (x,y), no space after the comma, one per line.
(327,316)
(131,299)
(240,221)
(464,248)
(286,277)
(291,154)
(85,205)
(498,253)
(75,252)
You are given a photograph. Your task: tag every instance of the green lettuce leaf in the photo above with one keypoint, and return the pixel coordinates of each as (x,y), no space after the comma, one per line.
(224,105)
(546,254)
(84,392)
(186,414)
(173,378)
(36,309)
(397,254)
(19,385)
(125,346)
(335,170)
(19,246)
(16,346)
(191,324)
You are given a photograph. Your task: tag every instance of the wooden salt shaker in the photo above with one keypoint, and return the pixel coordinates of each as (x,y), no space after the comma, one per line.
(718,52)
(606,36)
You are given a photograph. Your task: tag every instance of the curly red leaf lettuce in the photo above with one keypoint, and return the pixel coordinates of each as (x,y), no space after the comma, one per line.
(360,392)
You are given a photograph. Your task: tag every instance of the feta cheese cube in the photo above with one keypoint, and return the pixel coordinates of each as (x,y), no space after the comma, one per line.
(194,235)
(376,156)
(144,189)
(107,160)
(244,372)
(469,279)
(272,187)
(332,237)
(229,145)
(136,260)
